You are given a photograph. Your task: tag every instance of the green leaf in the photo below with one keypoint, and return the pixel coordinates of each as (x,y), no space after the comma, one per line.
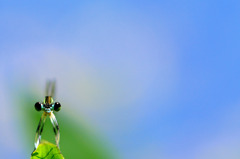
(47,150)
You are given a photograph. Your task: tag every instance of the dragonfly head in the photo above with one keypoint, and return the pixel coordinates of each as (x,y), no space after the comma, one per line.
(48,105)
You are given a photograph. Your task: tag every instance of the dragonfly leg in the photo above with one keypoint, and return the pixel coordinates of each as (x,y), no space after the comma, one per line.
(55,128)
(39,130)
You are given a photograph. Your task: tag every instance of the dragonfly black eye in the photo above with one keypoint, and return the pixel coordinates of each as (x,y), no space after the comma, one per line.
(57,106)
(38,106)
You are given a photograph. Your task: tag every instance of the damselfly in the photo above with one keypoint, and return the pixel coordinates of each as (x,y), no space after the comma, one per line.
(47,106)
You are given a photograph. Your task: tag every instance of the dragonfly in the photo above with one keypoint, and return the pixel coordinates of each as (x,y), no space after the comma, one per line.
(48,106)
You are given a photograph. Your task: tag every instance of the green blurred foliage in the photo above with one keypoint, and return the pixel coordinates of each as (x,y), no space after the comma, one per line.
(47,150)
(76,140)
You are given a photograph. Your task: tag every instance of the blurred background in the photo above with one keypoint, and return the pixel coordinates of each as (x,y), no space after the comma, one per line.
(136,79)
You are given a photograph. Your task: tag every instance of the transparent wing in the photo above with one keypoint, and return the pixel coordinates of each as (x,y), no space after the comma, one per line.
(50,88)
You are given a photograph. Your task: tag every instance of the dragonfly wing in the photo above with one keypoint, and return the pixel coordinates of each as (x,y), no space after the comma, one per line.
(50,88)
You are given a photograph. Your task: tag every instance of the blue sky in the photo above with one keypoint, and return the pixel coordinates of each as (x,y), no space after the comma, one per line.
(167,71)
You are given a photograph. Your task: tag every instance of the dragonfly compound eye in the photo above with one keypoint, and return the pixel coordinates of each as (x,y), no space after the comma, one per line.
(38,106)
(57,106)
